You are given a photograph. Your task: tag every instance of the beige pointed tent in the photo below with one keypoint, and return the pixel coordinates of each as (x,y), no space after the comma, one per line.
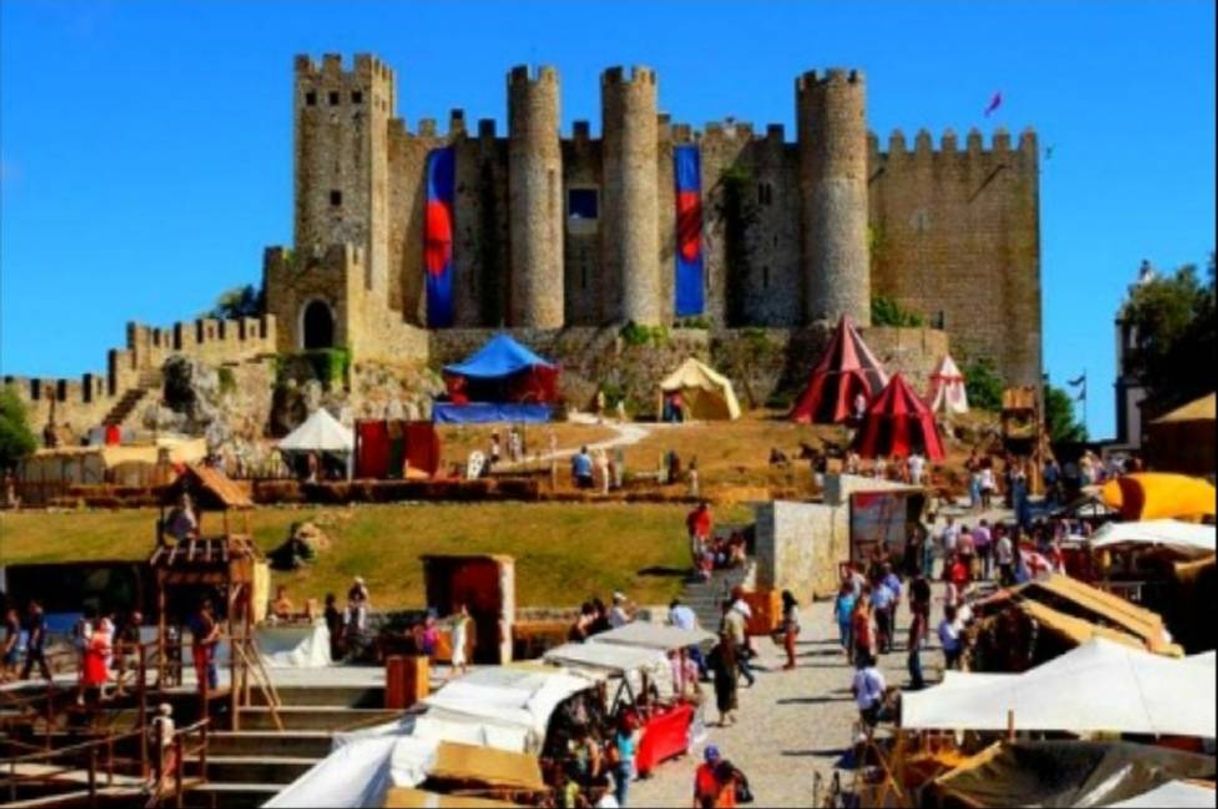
(707,394)
(946,392)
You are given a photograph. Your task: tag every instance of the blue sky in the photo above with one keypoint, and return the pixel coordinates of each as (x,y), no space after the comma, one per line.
(145,148)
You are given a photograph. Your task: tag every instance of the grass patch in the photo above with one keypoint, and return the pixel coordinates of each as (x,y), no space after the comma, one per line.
(564,552)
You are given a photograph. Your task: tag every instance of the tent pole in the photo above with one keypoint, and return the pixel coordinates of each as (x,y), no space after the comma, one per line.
(1010,725)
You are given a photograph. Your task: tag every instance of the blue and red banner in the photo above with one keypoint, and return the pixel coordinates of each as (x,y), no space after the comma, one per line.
(687,163)
(438,237)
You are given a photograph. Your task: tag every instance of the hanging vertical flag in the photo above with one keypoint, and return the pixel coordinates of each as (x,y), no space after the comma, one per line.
(688,169)
(438,237)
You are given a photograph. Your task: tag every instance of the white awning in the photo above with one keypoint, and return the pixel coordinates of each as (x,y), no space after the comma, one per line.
(1194,539)
(1100,686)
(652,636)
(1174,793)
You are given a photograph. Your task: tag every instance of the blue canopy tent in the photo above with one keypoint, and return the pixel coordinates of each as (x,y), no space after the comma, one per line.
(503,382)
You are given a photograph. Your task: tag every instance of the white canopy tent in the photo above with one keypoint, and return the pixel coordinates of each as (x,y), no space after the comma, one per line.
(602,661)
(946,392)
(1190,539)
(653,636)
(320,432)
(1100,686)
(1174,793)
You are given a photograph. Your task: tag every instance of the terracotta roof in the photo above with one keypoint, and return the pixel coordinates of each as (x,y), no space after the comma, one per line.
(1197,410)
(1129,617)
(1077,630)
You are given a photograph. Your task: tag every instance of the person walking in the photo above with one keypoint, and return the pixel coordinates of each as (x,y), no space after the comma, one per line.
(460,637)
(1004,555)
(35,643)
(709,790)
(949,638)
(698,524)
(869,689)
(602,470)
(790,626)
(862,632)
(723,664)
(843,612)
(625,742)
(983,547)
(682,616)
(917,635)
(881,601)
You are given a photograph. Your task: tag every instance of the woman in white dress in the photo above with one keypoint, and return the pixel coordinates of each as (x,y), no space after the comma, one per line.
(460,635)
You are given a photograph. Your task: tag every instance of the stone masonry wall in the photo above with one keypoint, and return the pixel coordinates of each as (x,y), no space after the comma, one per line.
(956,232)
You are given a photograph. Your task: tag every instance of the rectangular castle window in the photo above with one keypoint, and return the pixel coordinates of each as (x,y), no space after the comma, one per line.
(333,98)
(311,99)
(357,97)
(336,198)
(583,209)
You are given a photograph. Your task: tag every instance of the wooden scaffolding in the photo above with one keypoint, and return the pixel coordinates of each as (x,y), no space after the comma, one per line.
(231,565)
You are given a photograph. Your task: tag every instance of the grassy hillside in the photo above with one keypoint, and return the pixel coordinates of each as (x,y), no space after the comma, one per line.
(564,552)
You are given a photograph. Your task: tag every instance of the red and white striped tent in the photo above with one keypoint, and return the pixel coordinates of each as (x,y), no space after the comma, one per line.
(897,424)
(946,393)
(845,369)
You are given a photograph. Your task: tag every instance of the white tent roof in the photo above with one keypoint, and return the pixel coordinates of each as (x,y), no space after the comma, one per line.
(946,391)
(1173,793)
(1099,686)
(698,375)
(601,661)
(652,636)
(1191,538)
(505,697)
(320,432)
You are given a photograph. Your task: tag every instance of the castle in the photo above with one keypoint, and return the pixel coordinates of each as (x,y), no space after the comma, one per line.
(545,233)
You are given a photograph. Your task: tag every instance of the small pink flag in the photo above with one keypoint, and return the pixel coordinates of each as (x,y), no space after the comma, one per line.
(995,103)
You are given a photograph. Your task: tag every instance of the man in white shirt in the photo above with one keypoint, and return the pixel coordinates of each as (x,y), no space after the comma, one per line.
(951,537)
(1004,556)
(949,638)
(868,688)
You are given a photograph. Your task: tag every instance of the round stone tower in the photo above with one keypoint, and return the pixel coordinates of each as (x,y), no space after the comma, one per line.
(831,117)
(631,230)
(535,200)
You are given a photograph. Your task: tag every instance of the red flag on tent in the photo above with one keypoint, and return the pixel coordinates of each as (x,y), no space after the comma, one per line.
(995,103)
(846,369)
(897,424)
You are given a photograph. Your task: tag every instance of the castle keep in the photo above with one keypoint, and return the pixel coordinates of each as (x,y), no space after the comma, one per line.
(552,231)
(567,236)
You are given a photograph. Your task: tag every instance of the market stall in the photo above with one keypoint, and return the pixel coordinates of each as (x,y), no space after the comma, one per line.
(502,382)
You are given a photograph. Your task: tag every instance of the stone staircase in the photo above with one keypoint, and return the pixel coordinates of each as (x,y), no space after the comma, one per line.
(250,766)
(705,597)
(150,380)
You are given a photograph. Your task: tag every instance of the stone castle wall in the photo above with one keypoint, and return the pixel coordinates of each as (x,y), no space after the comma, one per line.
(955,231)
(84,403)
(819,224)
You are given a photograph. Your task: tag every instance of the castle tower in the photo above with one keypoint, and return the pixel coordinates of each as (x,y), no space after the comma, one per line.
(535,200)
(341,158)
(631,236)
(832,132)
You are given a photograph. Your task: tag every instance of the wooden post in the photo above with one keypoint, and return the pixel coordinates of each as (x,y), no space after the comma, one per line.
(1010,725)
(234,649)
(141,693)
(93,775)
(178,769)
(161,629)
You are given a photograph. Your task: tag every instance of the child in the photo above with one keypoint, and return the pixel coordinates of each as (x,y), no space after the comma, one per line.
(460,634)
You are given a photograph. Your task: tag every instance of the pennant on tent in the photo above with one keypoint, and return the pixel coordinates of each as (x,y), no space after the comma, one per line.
(688,287)
(995,103)
(438,237)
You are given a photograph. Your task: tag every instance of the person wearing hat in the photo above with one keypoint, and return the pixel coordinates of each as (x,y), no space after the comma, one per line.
(714,781)
(620,613)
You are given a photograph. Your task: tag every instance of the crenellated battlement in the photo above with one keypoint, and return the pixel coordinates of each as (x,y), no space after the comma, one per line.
(529,75)
(639,75)
(949,145)
(834,76)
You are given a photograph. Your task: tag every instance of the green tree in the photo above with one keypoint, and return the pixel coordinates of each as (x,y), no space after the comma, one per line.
(1060,420)
(238,302)
(1173,326)
(887,312)
(982,384)
(16,438)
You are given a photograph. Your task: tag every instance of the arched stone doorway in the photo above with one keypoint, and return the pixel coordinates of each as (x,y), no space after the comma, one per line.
(316,326)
